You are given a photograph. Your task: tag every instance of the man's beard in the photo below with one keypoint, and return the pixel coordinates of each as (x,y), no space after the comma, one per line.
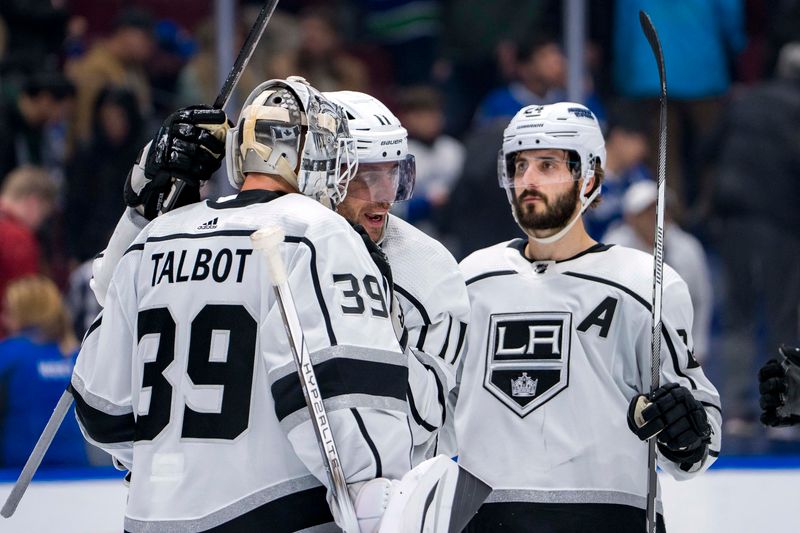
(555,216)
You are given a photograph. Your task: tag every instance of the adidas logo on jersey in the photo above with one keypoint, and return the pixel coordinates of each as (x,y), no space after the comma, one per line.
(211,224)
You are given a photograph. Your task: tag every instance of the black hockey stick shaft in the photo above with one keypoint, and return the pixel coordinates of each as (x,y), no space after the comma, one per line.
(658,261)
(231,81)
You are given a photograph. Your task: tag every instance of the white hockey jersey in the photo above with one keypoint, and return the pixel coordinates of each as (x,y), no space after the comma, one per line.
(555,352)
(190,381)
(433,300)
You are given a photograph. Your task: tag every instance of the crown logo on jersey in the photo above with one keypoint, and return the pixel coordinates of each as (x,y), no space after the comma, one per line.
(211,224)
(524,386)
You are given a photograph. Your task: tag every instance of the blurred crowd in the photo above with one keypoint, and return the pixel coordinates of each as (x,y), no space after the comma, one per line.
(84,84)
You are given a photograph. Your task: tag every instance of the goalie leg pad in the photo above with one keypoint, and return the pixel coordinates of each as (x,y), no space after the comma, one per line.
(423,500)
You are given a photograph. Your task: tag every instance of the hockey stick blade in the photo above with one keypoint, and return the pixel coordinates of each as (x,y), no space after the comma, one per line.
(230,83)
(470,494)
(655,43)
(35,459)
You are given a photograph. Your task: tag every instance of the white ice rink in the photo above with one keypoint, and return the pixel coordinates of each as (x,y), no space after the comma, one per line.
(758,495)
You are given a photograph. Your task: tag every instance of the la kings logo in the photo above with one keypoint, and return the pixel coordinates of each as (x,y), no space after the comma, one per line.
(528,358)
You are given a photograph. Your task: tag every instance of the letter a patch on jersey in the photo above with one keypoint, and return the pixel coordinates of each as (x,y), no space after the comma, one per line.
(527,362)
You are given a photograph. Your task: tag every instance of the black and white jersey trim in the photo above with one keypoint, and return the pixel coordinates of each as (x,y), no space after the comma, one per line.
(462,333)
(94,326)
(491,274)
(341,376)
(117,426)
(570,496)
(364,433)
(670,344)
(426,319)
(289,507)
(317,287)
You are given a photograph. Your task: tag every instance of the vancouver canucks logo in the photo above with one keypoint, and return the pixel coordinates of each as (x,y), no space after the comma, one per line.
(527,362)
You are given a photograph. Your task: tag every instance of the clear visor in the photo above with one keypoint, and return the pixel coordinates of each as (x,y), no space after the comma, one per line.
(386,182)
(520,170)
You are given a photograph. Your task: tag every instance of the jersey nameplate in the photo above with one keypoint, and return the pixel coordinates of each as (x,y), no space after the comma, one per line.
(527,362)
(178,266)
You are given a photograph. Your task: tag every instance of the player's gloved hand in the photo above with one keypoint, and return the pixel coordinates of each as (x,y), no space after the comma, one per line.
(779,387)
(188,147)
(677,418)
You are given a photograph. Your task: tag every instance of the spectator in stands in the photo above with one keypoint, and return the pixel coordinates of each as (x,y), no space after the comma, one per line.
(540,73)
(700,39)
(478,209)
(627,146)
(97,173)
(755,196)
(477,50)
(198,80)
(119,61)
(683,252)
(35,368)
(26,199)
(23,122)
(80,299)
(321,57)
(439,157)
(36,31)
(409,32)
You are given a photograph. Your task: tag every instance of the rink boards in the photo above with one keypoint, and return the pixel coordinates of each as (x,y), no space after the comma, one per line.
(739,495)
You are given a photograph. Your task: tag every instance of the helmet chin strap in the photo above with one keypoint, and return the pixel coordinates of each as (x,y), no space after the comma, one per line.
(585,203)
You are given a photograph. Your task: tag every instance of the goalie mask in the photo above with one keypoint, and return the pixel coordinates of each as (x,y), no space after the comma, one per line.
(564,126)
(288,129)
(385,167)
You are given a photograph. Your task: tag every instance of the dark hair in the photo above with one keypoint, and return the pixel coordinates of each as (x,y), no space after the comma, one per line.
(528,48)
(52,83)
(125,99)
(136,18)
(419,98)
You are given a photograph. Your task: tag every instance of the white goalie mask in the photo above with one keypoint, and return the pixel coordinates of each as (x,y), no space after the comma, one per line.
(385,165)
(565,126)
(288,129)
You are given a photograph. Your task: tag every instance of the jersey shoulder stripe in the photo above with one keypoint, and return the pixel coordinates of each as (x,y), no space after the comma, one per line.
(486,260)
(317,287)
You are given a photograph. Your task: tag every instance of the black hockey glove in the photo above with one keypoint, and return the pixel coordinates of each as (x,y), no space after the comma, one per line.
(779,386)
(677,418)
(188,147)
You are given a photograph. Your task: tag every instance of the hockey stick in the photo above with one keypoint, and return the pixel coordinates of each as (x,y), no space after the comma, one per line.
(231,81)
(35,459)
(65,402)
(658,261)
(268,240)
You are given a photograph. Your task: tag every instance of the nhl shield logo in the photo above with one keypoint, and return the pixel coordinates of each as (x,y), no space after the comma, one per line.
(528,358)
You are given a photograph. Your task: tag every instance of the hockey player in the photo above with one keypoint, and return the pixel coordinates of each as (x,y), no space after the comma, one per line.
(428,286)
(779,386)
(189,381)
(552,402)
